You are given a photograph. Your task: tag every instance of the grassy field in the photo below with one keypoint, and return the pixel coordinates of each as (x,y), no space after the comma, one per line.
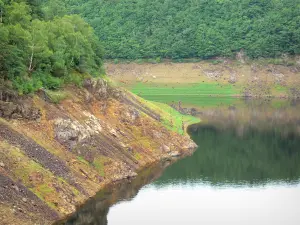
(193,100)
(171,118)
(201,89)
(194,95)
(206,84)
(228,78)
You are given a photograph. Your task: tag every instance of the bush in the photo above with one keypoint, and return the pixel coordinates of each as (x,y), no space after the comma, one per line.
(50,82)
(56,96)
(215,62)
(26,85)
(158,60)
(74,78)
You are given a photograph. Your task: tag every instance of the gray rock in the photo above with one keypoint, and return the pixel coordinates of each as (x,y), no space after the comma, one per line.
(190,145)
(16,110)
(7,108)
(2,164)
(98,87)
(175,154)
(16,188)
(71,132)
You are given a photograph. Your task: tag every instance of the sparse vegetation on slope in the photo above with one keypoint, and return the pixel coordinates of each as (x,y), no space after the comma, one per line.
(58,153)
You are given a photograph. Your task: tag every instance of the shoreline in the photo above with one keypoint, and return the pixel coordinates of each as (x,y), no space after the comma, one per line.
(58,155)
(228,78)
(162,164)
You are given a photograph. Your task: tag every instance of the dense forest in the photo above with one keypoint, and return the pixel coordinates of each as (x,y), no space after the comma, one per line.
(134,29)
(40,46)
(48,43)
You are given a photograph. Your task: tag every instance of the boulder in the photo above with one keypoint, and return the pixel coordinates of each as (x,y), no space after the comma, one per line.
(7,109)
(98,87)
(71,132)
(17,110)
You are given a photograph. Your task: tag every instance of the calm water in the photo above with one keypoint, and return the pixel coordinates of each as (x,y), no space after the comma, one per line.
(246,170)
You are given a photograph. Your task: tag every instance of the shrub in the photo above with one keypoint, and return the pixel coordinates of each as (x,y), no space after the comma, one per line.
(56,96)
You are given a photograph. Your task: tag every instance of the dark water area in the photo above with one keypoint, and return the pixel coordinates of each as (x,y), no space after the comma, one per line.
(246,170)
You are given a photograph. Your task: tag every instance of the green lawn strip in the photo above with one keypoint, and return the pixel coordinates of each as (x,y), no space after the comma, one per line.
(193,100)
(171,118)
(204,89)
(279,90)
(174,119)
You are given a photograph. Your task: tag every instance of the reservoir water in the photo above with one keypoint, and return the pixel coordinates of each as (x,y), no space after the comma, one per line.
(246,170)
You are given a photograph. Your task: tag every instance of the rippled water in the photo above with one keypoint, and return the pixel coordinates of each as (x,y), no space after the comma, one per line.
(246,170)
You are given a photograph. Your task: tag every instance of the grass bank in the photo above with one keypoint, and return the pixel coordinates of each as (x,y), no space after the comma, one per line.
(170,118)
(169,81)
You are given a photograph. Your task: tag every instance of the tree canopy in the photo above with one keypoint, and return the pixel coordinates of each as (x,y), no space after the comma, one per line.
(193,28)
(41,47)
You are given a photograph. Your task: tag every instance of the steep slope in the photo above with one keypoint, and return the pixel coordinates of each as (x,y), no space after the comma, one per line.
(55,156)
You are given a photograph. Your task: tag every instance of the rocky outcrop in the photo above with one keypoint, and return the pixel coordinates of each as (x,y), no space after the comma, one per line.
(13,106)
(101,90)
(55,156)
(17,110)
(70,132)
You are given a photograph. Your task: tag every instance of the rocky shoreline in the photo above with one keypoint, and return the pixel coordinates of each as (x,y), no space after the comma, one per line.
(54,157)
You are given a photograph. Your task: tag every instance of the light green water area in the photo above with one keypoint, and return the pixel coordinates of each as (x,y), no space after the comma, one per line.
(246,170)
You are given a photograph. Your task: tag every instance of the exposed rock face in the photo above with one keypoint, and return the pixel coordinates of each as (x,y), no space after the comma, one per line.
(75,148)
(14,107)
(131,116)
(213,74)
(7,108)
(71,132)
(190,145)
(98,88)
(15,110)
(101,90)
(11,191)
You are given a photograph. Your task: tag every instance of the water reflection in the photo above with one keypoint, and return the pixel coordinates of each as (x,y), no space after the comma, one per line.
(94,211)
(229,156)
(246,170)
(249,177)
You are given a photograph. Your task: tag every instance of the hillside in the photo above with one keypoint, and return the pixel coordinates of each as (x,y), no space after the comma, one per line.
(215,78)
(67,129)
(157,29)
(54,156)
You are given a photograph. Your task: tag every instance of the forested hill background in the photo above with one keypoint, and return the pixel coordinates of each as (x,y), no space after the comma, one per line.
(47,43)
(134,29)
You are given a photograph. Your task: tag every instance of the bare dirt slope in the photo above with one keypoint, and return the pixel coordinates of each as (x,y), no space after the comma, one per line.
(55,156)
(253,78)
